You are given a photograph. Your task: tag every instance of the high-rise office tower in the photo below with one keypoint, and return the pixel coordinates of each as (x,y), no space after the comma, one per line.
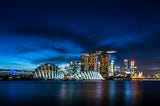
(110,63)
(125,63)
(112,67)
(132,64)
(126,70)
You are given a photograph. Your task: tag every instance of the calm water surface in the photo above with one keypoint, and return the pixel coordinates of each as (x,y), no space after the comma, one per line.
(79,93)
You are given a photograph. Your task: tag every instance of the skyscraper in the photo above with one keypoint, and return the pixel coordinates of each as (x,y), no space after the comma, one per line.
(104,60)
(132,64)
(110,63)
(112,67)
(125,63)
(93,61)
(84,62)
(126,70)
(105,66)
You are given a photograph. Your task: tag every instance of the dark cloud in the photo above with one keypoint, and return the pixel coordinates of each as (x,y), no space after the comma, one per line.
(60,50)
(56,59)
(60,54)
(130,27)
(146,53)
(42,47)
(22,50)
(89,42)
(84,40)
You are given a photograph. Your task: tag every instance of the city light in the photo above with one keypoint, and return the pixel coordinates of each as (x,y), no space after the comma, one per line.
(92,66)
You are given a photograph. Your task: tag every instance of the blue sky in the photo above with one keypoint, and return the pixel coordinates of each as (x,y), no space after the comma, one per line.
(57,31)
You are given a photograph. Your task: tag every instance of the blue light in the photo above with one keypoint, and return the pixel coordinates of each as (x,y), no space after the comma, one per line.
(22,72)
(13,72)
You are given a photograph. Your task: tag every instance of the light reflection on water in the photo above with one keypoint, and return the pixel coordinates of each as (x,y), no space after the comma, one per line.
(112,91)
(128,93)
(74,93)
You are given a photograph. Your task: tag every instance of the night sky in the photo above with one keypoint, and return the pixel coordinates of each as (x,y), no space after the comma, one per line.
(33,32)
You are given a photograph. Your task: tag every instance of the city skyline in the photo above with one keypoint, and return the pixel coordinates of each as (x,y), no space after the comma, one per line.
(32,33)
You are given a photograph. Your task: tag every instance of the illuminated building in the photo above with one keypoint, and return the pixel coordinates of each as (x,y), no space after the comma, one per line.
(98,53)
(104,60)
(110,63)
(126,70)
(104,66)
(74,67)
(132,65)
(157,75)
(84,62)
(93,62)
(117,69)
(137,74)
(88,75)
(125,63)
(112,67)
(48,71)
